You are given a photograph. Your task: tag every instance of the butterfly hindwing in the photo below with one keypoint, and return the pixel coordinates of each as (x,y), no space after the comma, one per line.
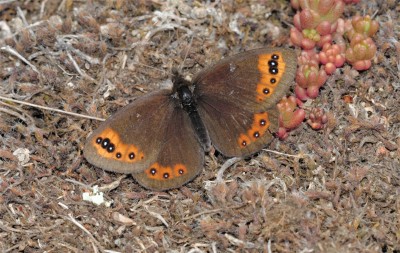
(235,131)
(180,159)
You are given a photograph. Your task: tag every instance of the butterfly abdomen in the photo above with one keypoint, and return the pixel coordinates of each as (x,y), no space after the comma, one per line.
(189,105)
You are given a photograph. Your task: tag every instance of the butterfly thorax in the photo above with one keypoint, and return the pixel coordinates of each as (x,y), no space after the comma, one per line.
(188,103)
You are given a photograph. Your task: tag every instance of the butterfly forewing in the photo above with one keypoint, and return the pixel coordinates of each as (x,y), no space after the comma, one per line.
(129,141)
(255,80)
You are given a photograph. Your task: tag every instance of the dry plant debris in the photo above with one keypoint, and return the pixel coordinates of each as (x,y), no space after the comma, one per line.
(336,190)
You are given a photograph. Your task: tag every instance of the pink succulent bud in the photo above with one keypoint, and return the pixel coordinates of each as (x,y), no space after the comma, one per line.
(340,29)
(317,118)
(295,4)
(298,39)
(351,1)
(295,36)
(290,116)
(282,133)
(326,39)
(365,25)
(311,34)
(329,10)
(361,52)
(325,28)
(301,93)
(308,19)
(308,57)
(317,21)
(310,77)
(330,68)
(332,56)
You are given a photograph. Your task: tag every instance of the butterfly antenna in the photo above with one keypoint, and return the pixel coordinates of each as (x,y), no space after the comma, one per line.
(187,53)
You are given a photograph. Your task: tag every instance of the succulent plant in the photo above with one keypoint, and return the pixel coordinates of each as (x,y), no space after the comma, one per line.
(360,52)
(309,77)
(290,116)
(332,56)
(317,118)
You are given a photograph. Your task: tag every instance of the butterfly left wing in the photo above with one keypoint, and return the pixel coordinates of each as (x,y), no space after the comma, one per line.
(180,159)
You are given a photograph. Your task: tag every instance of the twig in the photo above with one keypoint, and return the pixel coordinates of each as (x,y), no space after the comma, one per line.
(235,241)
(157,215)
(279,181)
(225,166)
(283,154)
(42,8)
(51,109)
(6,1)
(22,15)
(20,181)
(20,244)
(163,28)
(210,211)
(21,111)
(5,29)
(201,213)
(113,185)
(13,113)
(66,46)
(78,69)
(30,26)
(79,183)
(15,53)
(73,220)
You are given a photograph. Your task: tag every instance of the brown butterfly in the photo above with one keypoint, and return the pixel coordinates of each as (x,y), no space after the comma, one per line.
(161,137)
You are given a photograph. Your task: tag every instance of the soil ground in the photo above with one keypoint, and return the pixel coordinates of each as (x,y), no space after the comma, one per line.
(334,190)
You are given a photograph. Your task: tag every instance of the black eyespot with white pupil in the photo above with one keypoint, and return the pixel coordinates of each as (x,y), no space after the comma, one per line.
(110,148)
(153,171)
(166,175)
(266,91)
(99,140)
(273,80)
(273,71)
(272,64)
(131,155)
(262,122)
(105,143)
(244,143)
(181,171)
(256,134)
(118,155)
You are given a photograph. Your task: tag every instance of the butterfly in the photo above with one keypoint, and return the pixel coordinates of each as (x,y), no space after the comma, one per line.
(161,138)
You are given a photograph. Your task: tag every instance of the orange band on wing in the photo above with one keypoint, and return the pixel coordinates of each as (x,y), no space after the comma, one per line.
(272,67)
(158,172)
(108,144)
(257,130)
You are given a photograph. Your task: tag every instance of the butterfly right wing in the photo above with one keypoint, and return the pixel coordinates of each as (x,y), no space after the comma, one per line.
(130,140)
(237,98)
